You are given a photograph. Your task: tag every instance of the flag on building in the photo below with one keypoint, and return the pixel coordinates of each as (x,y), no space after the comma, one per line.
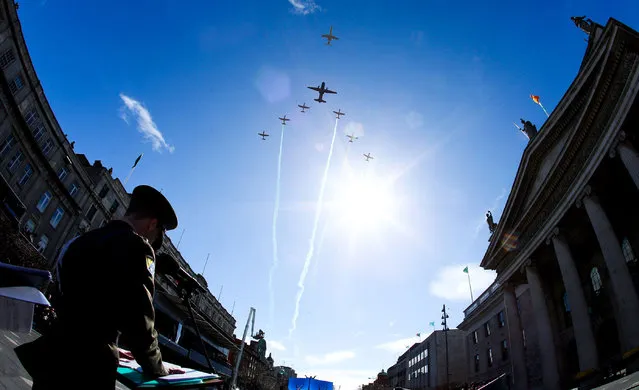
(432,323)
(137,160)
(535,98)
(419,335)
(466,270)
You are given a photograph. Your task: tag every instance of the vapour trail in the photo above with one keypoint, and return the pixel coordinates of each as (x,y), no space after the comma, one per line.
(311,248)
(276,212)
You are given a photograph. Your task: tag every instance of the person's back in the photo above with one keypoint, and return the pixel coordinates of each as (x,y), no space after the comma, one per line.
(105,287)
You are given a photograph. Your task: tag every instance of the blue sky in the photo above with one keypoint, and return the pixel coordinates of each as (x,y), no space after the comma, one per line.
(431,88)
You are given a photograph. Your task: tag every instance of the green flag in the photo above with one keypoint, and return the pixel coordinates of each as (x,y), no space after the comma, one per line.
(419,335)
(432,323)
(466,269)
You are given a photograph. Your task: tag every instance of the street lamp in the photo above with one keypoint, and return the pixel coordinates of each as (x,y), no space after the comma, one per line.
(445,324)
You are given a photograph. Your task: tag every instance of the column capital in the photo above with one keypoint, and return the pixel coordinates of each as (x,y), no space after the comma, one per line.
(585,193)
(621,137)
(553,233)
(529,263)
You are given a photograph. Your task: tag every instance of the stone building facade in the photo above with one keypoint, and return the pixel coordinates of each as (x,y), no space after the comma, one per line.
(486,323)
(569,229)
(423,365)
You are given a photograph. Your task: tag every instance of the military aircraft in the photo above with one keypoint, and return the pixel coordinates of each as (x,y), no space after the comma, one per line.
(351,137)
(322,90)
(284,120)
(368,156)
(329,37)
(263,135)
(339,113)
(304,107)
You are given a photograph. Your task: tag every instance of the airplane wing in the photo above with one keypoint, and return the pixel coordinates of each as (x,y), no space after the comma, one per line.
(314,88)
(328,91)
(335,38)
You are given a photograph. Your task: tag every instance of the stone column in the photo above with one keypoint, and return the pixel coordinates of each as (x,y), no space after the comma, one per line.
(544,330)
(630,159)
(584,337)
(517,355)
(626,302)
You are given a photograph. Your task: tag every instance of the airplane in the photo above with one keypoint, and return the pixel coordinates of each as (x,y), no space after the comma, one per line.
(330,36)
(322,90)
(368,156)
(263,135)
(339,113)
(284,120)
(303,106)
(351,137)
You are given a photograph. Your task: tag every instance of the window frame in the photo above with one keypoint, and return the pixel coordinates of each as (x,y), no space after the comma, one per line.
(56,217)
(48,196)
(26,175)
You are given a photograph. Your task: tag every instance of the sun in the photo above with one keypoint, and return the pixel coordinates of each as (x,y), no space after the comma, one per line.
(365,202)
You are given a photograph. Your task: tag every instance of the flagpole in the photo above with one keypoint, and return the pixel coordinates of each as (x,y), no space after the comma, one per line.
(470,288)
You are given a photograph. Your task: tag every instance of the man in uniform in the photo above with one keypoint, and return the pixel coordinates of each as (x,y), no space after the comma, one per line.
(105,291)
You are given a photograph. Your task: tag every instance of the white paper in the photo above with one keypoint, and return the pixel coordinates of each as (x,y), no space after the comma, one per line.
(188,375)
(23,293)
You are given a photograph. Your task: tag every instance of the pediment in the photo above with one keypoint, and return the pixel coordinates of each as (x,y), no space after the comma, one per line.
(544,168)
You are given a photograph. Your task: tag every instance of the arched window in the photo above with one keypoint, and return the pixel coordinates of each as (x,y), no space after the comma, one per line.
(628,253)
(595,278)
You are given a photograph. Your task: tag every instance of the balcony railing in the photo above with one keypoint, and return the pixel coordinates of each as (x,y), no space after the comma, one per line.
(482,298)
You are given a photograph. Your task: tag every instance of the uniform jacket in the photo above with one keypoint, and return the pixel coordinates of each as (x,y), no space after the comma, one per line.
(105,283)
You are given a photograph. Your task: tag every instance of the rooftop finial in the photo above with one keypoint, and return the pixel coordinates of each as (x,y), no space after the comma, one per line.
(585,24)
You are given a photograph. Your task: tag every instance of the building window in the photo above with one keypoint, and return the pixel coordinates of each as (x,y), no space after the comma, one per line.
(42,244)
(501,319)
(6,58)
(73,189)
(28,171)
(15,161)
(477,363)
(16,84)
(104,191)
(91,212)
(104,222)
(628,253)
(595,278)
(504,350)
(566,303)
(31,117)
(56,217)
(62,173)
(490,357)
(38,132)
(114,206)
(7,144)
(30,226)
(44,201)
(487,329)
(475,337)
(47,147)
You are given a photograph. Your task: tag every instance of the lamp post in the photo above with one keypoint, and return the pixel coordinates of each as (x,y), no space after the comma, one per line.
(445,324)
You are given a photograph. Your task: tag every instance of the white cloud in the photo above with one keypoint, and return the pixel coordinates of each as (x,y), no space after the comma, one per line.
(304,7)
(329,358)
(397,346)
(391,324)
(275,345)
(452,283)
(414,120)
(146,126)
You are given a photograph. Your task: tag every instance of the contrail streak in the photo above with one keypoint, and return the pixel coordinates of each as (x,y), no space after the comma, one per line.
(276,212)
(309,255)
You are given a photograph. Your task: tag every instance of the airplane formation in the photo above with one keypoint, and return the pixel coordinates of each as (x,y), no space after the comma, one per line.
(321,90)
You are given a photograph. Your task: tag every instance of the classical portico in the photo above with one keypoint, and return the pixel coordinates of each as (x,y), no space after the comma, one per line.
(570,227)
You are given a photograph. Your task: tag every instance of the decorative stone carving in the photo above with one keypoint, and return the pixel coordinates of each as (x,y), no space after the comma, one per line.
(585,24)
(529,129)
(491,223)
(587,191)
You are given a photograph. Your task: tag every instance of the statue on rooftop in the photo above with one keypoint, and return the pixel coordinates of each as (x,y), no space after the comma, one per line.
(529,129)
(585,24)
(491,223)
